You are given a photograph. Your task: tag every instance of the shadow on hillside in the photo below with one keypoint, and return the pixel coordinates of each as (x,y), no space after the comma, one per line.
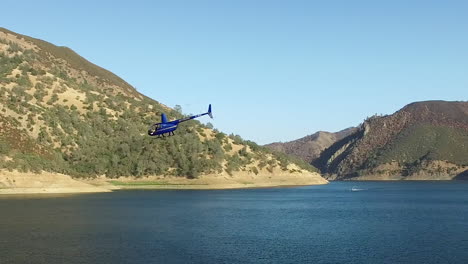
(462,176)
(322,161)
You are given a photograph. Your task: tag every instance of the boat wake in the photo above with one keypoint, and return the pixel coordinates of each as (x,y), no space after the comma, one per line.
(356,189)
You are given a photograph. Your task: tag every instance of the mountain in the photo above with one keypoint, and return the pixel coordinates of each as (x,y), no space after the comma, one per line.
(309,147)
(423,140)
(62,114)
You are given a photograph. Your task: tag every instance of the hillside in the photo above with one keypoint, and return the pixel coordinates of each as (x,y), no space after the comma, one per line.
(309,147)
(63,114)
(423,140)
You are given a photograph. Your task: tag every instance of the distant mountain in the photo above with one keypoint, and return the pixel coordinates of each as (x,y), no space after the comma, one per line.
(61,113)
(423,140)
(309,147)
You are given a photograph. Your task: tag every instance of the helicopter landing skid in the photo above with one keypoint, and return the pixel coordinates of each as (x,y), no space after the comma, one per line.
(169,134)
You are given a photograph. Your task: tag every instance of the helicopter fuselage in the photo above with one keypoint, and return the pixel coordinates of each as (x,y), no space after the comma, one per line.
(160,129)
(167,128)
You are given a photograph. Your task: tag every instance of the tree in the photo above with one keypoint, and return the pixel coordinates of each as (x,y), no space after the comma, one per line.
(178,109)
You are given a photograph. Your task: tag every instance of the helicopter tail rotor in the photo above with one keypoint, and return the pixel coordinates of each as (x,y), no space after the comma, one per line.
(209,111)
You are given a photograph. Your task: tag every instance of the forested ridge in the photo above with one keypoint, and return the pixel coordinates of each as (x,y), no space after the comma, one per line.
(61,113)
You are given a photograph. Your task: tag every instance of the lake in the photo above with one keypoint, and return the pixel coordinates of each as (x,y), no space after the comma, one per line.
(380,222)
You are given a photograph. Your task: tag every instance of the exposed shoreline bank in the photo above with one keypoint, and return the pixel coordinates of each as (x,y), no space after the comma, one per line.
(54,183)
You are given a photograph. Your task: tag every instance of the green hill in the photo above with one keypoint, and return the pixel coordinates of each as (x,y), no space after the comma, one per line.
(61,113)
(424,140)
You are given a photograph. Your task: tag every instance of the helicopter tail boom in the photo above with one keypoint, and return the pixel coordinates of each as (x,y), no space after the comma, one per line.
(195,116)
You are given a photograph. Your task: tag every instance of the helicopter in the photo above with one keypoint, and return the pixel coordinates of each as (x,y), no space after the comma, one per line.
(167,128)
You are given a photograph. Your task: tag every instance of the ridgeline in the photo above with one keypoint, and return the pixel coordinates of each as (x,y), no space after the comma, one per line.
(309,147)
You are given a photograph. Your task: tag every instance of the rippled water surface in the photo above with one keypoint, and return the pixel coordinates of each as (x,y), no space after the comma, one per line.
(378,222)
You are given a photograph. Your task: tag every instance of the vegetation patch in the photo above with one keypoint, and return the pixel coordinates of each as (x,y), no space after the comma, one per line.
(425,142)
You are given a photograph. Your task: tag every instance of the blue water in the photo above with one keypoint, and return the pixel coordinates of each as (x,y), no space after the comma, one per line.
(385,222)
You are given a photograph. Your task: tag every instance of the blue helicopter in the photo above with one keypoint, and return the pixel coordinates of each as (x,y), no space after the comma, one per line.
(166,128)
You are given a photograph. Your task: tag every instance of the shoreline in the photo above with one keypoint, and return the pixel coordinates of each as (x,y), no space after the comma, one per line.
(16,183)
(40,191)
(211,187)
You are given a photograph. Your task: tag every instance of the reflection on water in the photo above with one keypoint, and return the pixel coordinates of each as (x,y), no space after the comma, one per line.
(390,222)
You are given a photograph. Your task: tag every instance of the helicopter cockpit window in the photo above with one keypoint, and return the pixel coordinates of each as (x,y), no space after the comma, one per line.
(152,129)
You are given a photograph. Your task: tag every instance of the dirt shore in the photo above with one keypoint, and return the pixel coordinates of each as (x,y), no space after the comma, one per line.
(213,181)
(29,183)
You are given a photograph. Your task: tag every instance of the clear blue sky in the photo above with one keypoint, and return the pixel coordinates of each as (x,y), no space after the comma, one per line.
(273,70)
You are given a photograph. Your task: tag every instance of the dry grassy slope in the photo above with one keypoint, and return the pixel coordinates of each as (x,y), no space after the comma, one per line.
(62,113)
(78,66)
(412,140)
(47,75)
